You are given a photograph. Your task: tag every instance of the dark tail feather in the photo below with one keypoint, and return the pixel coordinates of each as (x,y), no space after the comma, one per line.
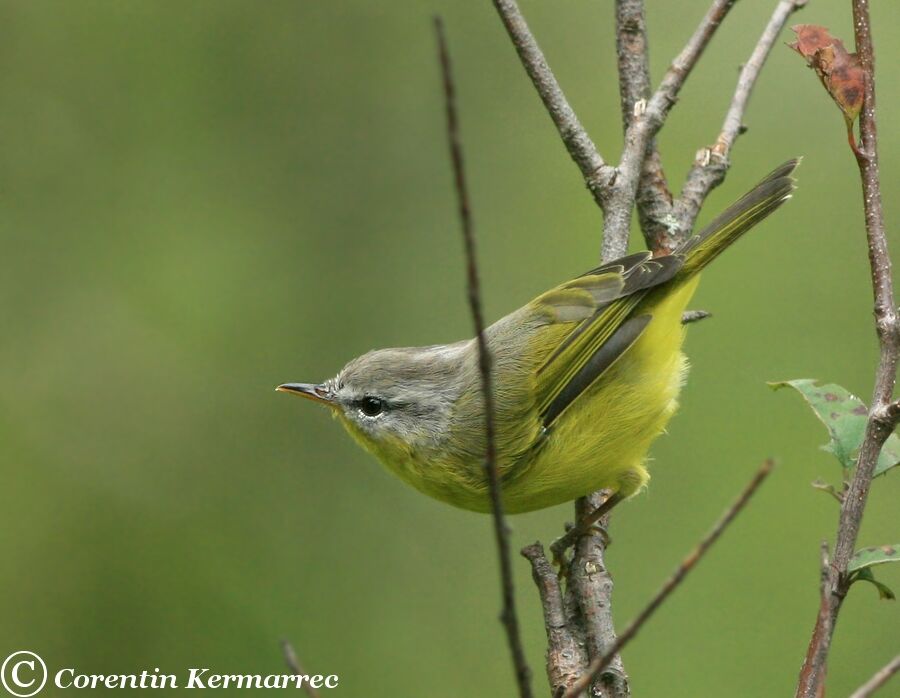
(738,218)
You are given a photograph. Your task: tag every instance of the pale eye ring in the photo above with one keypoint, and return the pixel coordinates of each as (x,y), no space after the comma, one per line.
(371,406)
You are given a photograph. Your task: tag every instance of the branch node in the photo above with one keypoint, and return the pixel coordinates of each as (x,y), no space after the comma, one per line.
(690,316)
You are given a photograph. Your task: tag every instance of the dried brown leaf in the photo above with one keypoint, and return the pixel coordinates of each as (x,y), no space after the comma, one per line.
(839,70)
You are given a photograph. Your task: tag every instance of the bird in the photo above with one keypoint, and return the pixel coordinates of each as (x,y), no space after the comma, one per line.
(585,377)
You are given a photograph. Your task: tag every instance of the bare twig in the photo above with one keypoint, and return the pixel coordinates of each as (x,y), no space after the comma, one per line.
(653,197)
(290,658)
(566,657)
(632,59)
(817,651)
(508,615)
(712,162)
(598,664)
(590,582)
(882,418)
(645,127)
(881,677)
(595,171)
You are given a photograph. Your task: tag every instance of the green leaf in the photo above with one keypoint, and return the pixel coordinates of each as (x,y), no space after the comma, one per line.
(884,591)
(868,557)
(889,456)
(844,416)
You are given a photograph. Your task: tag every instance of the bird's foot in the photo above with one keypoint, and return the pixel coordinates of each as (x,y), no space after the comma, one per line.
(571,536)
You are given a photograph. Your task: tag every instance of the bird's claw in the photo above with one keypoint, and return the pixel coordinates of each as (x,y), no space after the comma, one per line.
(559,546)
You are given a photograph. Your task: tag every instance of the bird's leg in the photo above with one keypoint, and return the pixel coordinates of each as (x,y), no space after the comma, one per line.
(583,527)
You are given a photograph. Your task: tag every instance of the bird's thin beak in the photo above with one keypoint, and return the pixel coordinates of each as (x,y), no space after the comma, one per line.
(311,391)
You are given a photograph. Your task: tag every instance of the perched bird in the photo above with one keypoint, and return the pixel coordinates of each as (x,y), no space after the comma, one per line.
(585,377)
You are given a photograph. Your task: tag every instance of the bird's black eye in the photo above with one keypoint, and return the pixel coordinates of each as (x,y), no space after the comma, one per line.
(371,406)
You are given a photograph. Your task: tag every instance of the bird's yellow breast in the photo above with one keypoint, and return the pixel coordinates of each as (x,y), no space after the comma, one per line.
(602,439)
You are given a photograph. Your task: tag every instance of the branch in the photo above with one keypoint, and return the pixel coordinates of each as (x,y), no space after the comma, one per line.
(632,60)
(881,677)
(712,162)
(687,564)
(591,583)
(508,614)
(647,122)
(654,201)
(565,655)
(596,591)
(882,417)
(595,171)
(290,658)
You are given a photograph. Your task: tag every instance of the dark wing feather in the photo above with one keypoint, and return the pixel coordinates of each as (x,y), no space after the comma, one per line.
(599,361)
(598,340)
(602,324)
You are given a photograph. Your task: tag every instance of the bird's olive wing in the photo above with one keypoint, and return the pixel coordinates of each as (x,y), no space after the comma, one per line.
(599,305)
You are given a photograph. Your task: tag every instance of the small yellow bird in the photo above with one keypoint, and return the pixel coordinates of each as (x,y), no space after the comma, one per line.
(585,376)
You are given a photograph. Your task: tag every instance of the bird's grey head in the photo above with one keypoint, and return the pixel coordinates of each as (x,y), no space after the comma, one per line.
(395,399)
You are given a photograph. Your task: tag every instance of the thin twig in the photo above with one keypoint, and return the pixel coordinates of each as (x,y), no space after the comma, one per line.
(290,658)
(817,650)
(595,171)
(687,564)
(882,419)
(712,162)
(508,615)
(881,677)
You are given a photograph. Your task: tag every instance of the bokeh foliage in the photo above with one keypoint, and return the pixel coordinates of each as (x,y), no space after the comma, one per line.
(202,199)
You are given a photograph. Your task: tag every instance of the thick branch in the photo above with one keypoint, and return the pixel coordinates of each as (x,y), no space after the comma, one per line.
(508,615)
(712,162)
(600,663)
(595,171)
(882,418)
(592,584)
(566,657)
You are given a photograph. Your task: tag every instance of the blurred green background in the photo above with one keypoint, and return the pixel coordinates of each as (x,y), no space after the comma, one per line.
(199,200)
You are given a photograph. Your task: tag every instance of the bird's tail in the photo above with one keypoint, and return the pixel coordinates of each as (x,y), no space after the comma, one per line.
(737,219)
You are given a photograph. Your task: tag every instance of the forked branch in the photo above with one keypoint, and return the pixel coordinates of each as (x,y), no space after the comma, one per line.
(637,179)
(711,163)
(600,663)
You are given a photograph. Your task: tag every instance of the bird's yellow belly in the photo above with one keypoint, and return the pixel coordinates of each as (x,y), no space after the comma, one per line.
(602,439)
